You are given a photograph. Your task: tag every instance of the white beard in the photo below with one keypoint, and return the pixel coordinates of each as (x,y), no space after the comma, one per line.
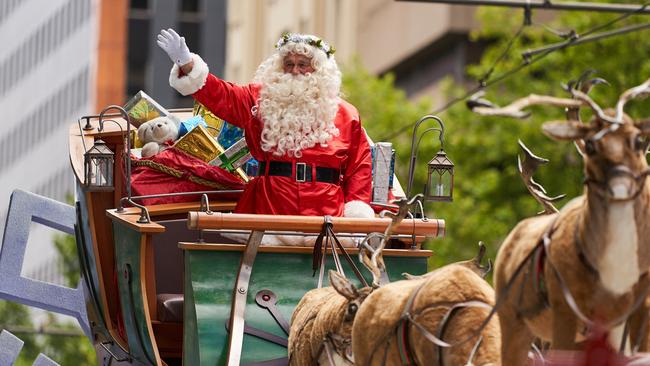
(297,111)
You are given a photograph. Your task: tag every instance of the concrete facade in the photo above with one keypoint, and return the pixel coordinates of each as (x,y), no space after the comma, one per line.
(410,39)
(47,72)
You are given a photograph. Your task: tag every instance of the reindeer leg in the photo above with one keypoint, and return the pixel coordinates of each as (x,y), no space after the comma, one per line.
(564,328)
(639,322)
(515,337)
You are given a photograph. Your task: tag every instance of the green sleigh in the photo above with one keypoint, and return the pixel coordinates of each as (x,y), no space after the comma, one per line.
(162,284)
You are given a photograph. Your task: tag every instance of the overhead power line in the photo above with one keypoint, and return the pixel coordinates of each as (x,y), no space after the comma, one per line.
(544,4)
(577,41)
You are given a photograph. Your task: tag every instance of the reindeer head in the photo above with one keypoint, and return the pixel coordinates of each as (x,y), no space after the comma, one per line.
(614,153)
(612,144)
(340,335)
(348,290)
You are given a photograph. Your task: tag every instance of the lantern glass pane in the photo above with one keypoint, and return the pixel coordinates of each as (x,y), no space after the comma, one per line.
(101,174)
(440,183)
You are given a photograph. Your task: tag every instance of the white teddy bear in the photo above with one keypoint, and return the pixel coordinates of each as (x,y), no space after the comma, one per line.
(154,133)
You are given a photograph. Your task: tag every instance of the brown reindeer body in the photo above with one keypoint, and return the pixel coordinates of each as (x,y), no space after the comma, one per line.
(597,244)
(375,341)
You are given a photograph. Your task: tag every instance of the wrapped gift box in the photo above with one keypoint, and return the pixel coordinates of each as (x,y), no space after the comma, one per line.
(189,124)
(199,143)
(142,108)
(216,123)
(234,158)
(381,171)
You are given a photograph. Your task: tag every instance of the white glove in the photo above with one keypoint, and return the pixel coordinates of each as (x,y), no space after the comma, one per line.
(175,46)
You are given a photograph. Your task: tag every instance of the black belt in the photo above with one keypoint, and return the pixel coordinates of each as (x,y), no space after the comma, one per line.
(303,172)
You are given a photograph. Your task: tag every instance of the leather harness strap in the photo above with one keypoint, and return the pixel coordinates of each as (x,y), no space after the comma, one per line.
(403,342)
(319,253)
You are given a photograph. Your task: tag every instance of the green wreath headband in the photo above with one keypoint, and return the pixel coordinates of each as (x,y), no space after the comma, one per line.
(307,39)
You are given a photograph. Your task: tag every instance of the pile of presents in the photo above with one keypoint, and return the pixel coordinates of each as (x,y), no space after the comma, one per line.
(207,154)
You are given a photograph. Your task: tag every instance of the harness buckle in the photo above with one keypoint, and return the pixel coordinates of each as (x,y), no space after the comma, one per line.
(301,172)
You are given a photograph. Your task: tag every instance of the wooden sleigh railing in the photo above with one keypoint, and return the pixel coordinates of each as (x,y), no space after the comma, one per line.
(258,224)
(430,228)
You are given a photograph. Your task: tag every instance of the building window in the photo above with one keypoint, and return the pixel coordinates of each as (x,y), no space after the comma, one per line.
(139,4)
(189,6)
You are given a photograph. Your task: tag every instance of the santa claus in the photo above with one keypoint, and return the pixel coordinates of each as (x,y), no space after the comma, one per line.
(314,156)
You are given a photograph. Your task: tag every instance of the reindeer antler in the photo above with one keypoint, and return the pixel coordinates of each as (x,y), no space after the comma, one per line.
(640,91)
(579,95)
(484,270)
(515,109)
(526,169)
(371,250)
(584,84)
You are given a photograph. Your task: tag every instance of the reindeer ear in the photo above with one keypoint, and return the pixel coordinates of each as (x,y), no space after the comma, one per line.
(343,286)
(565,130)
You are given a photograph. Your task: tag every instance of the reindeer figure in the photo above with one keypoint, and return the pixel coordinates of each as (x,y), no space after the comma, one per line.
(440,318)
(559,274)
(321,324)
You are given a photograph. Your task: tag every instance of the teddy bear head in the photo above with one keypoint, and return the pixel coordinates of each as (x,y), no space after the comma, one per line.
(159,129)
(155,133)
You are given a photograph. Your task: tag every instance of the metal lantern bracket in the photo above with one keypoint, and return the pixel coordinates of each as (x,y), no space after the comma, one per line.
(415,145)
(144,213)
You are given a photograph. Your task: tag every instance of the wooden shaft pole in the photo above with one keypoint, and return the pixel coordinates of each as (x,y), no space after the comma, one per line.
(431,228)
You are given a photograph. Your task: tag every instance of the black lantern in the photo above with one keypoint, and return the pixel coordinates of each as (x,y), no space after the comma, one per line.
(440,180)
(98,167)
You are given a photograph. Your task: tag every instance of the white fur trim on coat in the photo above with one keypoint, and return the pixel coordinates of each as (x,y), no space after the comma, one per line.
(192,82)
(358,209)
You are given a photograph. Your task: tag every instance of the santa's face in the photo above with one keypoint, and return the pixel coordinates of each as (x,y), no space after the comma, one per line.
(297,64)
(297,103)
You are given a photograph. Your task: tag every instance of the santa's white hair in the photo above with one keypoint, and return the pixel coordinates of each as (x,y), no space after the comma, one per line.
(298,111)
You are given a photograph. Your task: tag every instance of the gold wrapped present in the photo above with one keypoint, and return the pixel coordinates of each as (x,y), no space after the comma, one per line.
(210,119)
(200,143)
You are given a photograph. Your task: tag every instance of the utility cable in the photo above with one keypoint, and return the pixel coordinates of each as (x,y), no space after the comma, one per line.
(483,79)
(529,60)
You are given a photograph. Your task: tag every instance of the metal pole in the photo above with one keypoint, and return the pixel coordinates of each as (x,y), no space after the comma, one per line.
(414,152)
(546,4)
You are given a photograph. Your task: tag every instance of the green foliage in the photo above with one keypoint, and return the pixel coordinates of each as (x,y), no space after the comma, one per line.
(383,109)
(67,247)
(69,349)
(14,315)
(489,196)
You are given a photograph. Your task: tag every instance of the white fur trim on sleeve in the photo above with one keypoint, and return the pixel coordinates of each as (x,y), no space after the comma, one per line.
(192,82)
(358,209)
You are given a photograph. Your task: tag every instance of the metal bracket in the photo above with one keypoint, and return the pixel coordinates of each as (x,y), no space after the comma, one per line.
(261,334)
(240,292)
(267,299)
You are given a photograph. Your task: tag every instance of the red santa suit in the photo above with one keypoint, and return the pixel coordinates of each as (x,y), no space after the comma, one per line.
(349,152)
